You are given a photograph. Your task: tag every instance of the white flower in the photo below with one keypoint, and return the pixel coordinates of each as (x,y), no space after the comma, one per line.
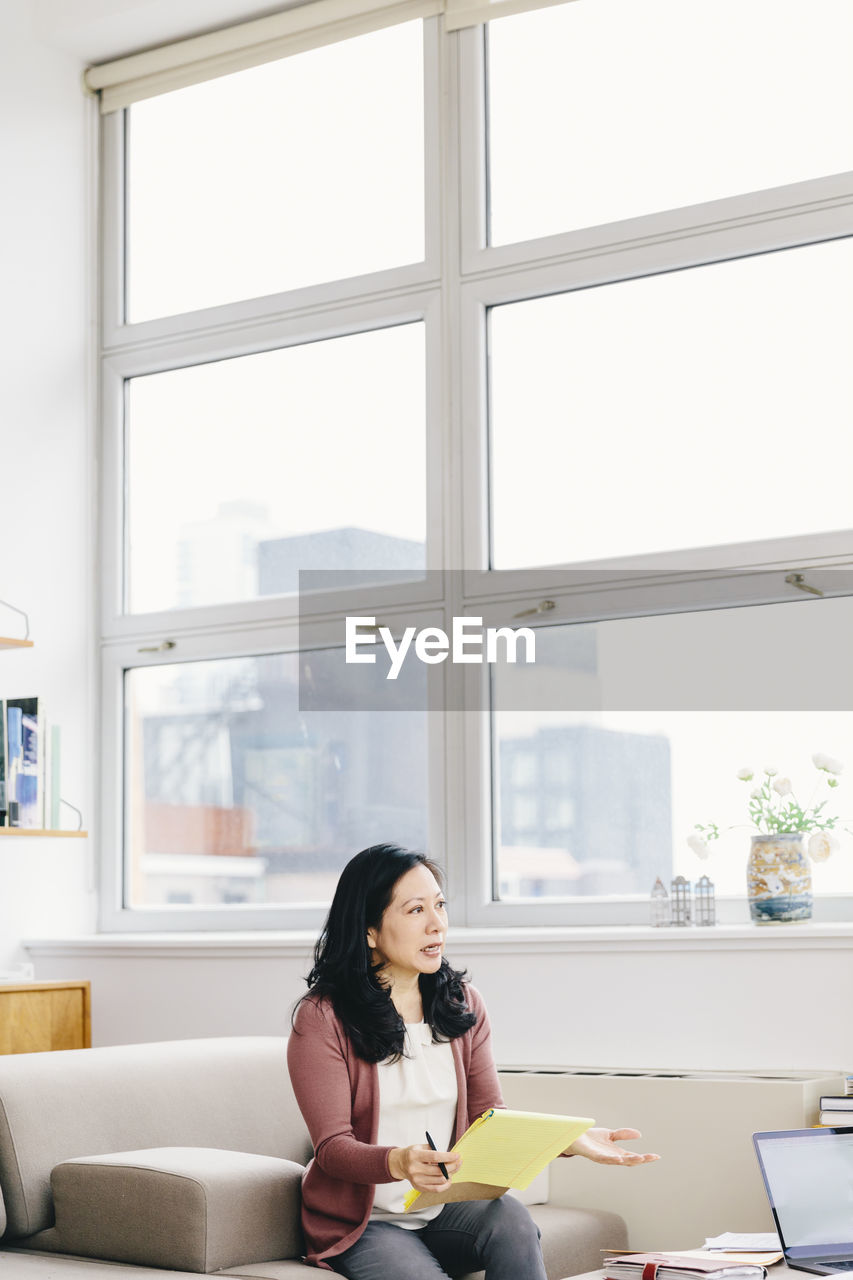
(699,846)
(821,845)
(745,774)
(782,786)
(756,793)
(770,771)
(828,764)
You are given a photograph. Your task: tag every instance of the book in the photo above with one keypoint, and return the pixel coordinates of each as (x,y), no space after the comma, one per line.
(836,1118)
(3,809)
(30,812)
(679,1266)
(14,749)
(503,1149)
(836,1102)
(29,774)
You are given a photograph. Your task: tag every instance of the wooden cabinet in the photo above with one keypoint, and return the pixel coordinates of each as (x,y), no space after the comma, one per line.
(35,1016)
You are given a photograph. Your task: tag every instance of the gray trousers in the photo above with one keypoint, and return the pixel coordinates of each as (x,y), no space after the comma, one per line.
(495,1236)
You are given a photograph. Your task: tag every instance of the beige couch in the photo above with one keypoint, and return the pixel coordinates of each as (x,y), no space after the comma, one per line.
(174,1159)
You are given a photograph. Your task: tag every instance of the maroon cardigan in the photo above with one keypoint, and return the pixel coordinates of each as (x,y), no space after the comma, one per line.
(338,1095)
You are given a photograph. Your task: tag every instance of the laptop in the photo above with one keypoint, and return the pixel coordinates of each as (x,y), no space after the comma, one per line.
(808,1175)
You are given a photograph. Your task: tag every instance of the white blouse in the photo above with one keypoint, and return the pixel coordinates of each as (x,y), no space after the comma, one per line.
(417,1094)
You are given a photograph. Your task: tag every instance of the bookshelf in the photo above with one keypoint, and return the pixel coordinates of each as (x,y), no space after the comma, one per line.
(11,642)
(41,831)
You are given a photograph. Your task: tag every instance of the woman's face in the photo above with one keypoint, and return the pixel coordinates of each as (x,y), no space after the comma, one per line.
(413,929)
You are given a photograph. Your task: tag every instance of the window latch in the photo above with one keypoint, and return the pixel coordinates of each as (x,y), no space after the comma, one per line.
(798,580)
(158,648)
(544,606)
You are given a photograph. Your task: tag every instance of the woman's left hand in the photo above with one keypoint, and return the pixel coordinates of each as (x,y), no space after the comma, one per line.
(601,1145)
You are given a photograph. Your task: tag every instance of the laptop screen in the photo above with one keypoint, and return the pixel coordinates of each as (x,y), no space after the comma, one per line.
(808,1174)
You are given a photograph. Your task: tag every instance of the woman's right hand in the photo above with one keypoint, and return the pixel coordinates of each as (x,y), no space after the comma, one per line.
(419,1165)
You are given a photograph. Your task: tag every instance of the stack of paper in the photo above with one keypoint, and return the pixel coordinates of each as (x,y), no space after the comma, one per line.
(504,1149)
(745,1242)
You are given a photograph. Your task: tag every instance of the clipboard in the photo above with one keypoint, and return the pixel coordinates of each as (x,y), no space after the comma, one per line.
(503,1149)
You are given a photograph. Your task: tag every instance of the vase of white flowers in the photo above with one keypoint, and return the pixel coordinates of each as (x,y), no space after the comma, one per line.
(789,837)
(779,878)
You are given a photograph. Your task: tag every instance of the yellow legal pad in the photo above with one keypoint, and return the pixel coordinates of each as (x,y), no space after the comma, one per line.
(503,1149)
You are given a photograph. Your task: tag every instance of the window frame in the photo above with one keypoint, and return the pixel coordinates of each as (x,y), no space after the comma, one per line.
(646,598)
(282,637)
(419,307)
(117,333)
(451,293)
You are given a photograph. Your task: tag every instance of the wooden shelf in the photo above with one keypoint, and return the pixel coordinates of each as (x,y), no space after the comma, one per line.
(8,642)
(40,831)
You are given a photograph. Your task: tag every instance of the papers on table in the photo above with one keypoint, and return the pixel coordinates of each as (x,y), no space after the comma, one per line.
(745,1242)
(760,1259)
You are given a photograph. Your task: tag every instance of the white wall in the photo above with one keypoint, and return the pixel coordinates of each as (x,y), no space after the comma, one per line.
(729,999)
(46,452)
(98,30)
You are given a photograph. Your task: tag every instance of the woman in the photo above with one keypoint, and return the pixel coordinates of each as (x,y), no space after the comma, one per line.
(389,1044)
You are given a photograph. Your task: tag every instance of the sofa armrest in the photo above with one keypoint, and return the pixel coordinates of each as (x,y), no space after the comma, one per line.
(181,1208)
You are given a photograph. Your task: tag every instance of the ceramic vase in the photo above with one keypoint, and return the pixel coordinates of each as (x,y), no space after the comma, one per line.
(779,878)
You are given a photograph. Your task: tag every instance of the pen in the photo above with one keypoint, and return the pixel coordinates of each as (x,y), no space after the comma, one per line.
(433,1147)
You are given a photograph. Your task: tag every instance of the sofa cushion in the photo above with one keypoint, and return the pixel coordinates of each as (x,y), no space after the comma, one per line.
(232,1092)
(186,1208)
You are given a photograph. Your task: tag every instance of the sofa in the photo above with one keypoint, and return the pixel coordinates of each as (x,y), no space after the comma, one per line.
(175,1159)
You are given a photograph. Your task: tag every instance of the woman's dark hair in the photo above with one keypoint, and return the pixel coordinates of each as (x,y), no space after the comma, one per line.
(344,972)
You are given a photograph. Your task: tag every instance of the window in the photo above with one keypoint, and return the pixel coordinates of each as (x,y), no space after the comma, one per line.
(633,748)
(234,794)
(722,369)
(604,111)
(220,456)
(543,322)
(276,177)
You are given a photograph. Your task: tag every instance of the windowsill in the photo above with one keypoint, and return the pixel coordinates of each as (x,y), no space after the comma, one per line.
(298,944)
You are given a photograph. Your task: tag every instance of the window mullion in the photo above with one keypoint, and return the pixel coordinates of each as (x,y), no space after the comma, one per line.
(454,429)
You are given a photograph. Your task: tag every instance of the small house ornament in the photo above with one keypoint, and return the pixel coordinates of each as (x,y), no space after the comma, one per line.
(659,905)
(706,911)
(680,897)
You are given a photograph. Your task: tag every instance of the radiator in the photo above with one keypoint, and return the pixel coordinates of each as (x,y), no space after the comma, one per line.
(700,1123)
